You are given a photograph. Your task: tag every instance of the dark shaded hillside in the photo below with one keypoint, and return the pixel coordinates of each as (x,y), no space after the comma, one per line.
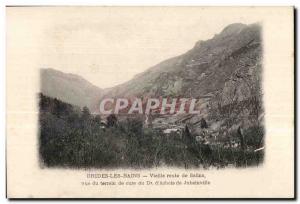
(71,137)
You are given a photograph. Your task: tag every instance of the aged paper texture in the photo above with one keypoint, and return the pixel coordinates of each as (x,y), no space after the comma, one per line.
(150,102)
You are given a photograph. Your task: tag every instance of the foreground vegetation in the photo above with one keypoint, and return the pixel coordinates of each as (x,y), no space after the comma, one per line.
(71,137)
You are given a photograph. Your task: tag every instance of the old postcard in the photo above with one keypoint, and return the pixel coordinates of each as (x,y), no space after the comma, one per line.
(150,102)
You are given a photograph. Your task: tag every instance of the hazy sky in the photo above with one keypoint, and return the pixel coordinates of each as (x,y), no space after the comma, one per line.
(109,45)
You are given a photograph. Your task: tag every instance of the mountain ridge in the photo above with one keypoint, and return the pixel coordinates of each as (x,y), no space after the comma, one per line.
(70,88)
(209,68)
(203,61)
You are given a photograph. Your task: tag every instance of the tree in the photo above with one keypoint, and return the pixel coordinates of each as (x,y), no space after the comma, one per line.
(187,136)
(112,120)
(203,123)
(86,113)
(97,119)
(241,136)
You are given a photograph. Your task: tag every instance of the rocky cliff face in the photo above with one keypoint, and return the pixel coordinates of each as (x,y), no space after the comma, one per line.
(223,72)
(205,69)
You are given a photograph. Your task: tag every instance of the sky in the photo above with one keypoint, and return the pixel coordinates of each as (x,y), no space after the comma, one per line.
(109,45)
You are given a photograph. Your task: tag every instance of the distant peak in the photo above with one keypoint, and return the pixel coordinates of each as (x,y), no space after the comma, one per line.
(233,29)
(51,70)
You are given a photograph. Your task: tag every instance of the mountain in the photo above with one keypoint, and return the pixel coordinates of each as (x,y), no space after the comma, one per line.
(223,72)
(69,88)
(202,70)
